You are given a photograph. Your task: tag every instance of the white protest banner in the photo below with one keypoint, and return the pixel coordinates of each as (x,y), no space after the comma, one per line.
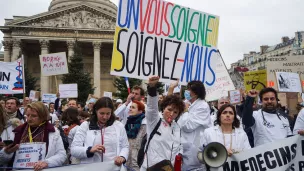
(11,77)
(281,155)
(222,84)
(34,95)
(54,64)
(68,90)
(48,98)
(100,166)
(235,96)
(165,39)
(28,154)
(107,94)
(288,82)
(275,64)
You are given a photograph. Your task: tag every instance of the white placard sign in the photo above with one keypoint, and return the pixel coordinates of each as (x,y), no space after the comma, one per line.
(288,82)
(48,98)
(68,90)
(235,96)
(34,95)
(54,64)
(28,154)
(107,94)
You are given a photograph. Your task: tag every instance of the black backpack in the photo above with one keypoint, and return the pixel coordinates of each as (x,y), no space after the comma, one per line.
(142,151)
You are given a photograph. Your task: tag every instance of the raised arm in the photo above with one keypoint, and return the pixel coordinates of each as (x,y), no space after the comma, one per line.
(247,113)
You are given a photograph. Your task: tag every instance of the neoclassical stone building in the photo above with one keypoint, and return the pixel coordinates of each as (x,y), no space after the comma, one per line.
(90,22)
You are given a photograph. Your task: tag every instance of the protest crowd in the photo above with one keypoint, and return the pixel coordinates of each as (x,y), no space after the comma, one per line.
(166,130)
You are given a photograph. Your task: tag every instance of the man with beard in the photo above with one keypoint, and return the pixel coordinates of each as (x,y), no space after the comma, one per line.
(267,124)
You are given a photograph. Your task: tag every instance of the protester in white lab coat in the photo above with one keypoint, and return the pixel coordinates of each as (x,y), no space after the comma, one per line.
(122,111)
(221,101)
(227,131)
(166,143)
(299,125)
(267,124)
(193,123)
(37,129)
(103,138)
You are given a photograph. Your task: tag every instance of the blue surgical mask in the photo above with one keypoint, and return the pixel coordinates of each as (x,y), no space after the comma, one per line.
(187,95)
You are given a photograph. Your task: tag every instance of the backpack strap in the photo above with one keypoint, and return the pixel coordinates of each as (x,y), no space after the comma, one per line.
(152,134)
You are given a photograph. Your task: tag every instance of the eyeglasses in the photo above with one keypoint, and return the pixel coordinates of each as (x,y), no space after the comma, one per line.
(267,98)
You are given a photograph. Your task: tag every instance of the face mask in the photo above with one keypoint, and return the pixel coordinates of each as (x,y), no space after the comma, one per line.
(187,95)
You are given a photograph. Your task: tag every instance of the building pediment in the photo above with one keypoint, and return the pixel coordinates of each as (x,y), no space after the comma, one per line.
(79,16)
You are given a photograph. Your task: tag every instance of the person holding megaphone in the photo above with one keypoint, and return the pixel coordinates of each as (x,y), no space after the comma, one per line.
(227,132)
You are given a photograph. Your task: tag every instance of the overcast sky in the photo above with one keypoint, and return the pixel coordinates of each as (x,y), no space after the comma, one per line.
(244,24)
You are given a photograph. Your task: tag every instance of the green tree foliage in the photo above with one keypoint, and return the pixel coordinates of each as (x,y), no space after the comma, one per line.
(30,81)
(78,75)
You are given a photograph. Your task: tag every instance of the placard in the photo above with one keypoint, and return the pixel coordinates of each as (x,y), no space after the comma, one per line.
(107,94)
(68,90)
(48,98)
(288,82)
(53,64)
(235,96)
(11,77)
(256,80)
(28,154)
(165,39)
(34,95)
(275,64)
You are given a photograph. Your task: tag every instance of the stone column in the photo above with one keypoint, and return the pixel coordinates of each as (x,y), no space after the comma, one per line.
(70,45)
(7,50)
(16,49)
(44,80)
(96,71)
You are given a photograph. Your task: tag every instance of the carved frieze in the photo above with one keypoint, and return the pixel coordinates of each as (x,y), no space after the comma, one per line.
(80,19)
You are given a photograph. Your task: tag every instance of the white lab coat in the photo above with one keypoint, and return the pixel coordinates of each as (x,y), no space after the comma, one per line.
(56,154)
(115,139)
(214,134)
(8,133)
(165,145)
(193,123)
(299,125)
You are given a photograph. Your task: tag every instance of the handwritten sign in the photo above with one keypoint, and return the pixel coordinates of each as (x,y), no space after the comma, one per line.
(34,95)
(54,64)
(68,90)
(11,77)
(28,154)
(255,80)
(48,98)
(235,96)
(275,64)
(288,82)
(165,39)
(107,94)
(223,82)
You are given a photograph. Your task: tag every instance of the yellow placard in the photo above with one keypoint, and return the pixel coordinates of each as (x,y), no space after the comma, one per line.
(255,80)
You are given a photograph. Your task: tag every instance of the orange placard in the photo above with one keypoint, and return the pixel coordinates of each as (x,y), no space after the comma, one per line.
(270,83)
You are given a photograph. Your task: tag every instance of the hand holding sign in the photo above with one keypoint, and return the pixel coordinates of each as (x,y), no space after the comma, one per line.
(40,165)
(11,148)
(153,80)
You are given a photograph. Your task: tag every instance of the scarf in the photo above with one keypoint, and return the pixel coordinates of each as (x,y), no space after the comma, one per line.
(67,131)
(11,115)
(133,125)
(37,134)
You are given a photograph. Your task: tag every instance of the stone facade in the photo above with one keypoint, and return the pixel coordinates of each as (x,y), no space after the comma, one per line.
(93,26)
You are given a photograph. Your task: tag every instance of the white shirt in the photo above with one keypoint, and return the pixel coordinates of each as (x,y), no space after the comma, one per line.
(275,128)
(299,125)
(54,117)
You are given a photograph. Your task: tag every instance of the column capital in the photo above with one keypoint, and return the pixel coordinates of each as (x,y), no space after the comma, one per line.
(7,44)
(97,45)
(44,44)
(70,44)
(16,43)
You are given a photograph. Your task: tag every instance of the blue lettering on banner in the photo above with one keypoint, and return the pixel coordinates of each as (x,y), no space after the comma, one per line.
(3,87)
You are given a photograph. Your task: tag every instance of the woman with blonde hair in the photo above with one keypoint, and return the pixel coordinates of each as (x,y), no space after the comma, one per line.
(37,129)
